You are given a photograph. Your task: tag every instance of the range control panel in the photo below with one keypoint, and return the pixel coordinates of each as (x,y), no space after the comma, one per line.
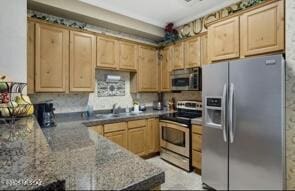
(191,105)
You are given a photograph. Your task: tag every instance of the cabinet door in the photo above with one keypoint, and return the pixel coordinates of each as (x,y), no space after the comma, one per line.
(52,58)
(118,137)
(166,69)
(31,57)
(148,69)
(204,51)
(223,40)
(178,56)
(107,53)
(197,159)
(136,140)
(262,30)
(128,53)
(152,136)
(193,53)
(82,62)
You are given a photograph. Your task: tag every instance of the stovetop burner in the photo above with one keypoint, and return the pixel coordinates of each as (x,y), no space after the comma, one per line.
(186,111)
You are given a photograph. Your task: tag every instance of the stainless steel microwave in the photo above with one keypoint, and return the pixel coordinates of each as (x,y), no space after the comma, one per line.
(187,79)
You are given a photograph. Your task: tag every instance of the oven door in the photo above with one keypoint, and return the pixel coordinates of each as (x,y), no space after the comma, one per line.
(175,137)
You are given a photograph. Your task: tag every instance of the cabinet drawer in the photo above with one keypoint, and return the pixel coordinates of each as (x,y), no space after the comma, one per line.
(115,127)
(197,159)
(98,129)
(137,123)
(197,142)
(197,129)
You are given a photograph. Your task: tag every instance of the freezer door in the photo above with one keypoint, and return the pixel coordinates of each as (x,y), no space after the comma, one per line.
(256,149)
(214,145)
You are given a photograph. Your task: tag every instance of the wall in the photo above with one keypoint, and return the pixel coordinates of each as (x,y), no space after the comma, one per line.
(13,22)
(290,93)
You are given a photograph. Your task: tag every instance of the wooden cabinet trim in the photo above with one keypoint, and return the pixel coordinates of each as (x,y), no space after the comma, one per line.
(31,57)
(136,124)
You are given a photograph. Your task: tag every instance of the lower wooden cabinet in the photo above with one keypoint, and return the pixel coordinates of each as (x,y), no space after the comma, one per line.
(152,136)
(142,137)
(119,137)
(197,146)
(136,140)
(197,159)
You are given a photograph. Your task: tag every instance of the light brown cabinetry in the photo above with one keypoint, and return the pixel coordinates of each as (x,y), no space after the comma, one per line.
(116,132)
(82,61)
(128,53)
(262,29)
(107,53)
(178,56)
(30,57)
(152,136)
(204,51)
(51,58)
(137,137)
(197,146)
(165,69)
(148,69)
(98,129)
(192,56)
(223,40)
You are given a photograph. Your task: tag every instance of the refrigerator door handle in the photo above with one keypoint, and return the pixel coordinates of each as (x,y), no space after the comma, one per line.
(224,113)
(231,105)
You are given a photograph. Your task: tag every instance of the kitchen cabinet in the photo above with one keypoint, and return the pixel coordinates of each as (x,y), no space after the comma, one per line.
(118,137)
(128,54)
(98,129)
(116,132)
(192,56)
(148,69)
(137,137)
(107,53)
(204,50)
(165,69)
(152,136)
(223,40)
(178,56)
(82,61)
(196,146)
(262,29)
(30,57)
(51,58)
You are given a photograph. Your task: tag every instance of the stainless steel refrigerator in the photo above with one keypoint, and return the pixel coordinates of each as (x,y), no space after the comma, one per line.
(244,131)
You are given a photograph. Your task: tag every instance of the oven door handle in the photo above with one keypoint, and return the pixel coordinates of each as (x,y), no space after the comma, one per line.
(175,123)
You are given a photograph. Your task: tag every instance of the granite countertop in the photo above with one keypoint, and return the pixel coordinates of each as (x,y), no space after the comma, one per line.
(70,156)
(92,121)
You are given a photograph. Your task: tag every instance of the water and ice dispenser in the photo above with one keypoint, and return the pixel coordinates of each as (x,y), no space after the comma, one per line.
(213,112)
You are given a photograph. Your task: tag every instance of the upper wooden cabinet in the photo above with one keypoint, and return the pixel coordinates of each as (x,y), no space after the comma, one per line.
(107,53)
(148,69)
(178,56)
(31,57)
(192,56)
(82,61)
(165,69)
(262,29)
(204,51)
(128,53)
(52,58)
(223,40)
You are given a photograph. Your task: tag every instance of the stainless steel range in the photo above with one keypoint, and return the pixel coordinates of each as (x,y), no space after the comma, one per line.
(175,133)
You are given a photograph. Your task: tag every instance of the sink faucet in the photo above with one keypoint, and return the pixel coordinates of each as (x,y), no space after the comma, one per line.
(116,109)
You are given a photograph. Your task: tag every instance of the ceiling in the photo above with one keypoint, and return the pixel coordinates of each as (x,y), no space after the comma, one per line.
(161,12)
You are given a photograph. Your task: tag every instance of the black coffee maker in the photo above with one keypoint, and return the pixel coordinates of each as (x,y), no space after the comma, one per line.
(44,112)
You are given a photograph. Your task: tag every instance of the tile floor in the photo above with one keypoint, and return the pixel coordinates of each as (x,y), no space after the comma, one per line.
(175,178)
